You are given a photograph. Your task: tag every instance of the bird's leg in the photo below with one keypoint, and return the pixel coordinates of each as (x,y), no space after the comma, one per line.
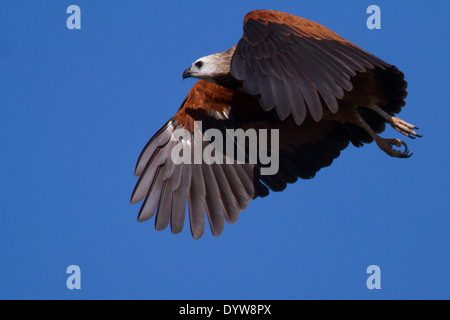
(384,144)
(398,124)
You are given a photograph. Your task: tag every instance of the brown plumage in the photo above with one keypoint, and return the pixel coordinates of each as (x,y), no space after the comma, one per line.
(319,90)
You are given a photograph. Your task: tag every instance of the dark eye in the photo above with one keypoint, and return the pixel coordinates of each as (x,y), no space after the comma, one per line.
(198,64)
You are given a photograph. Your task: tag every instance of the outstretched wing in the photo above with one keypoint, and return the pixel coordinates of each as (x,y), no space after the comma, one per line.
(222,190)
(296,65)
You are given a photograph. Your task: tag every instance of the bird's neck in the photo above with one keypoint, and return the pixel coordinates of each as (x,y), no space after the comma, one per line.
(228,81)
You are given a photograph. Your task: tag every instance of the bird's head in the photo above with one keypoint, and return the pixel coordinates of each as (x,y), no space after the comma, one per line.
(210,67)
(205,68)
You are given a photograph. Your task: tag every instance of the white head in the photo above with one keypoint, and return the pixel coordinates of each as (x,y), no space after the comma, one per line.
(210,67)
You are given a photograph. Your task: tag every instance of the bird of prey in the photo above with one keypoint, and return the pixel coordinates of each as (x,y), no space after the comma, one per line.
(319,90)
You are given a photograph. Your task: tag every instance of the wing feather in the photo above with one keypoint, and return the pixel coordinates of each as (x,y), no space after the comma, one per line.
(159,158)
(214,202)
(230,204)
(164,210)
(180,198)
(196,204)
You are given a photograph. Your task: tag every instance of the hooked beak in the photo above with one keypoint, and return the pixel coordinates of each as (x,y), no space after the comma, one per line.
(187,73)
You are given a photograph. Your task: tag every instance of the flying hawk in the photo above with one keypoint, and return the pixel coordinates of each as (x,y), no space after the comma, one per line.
(318,89)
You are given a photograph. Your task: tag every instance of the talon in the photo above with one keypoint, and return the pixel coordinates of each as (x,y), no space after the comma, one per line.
(404,127)
(398,124)
(386,146)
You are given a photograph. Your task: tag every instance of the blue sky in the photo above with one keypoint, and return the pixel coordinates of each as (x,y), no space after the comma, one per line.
(77,107)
